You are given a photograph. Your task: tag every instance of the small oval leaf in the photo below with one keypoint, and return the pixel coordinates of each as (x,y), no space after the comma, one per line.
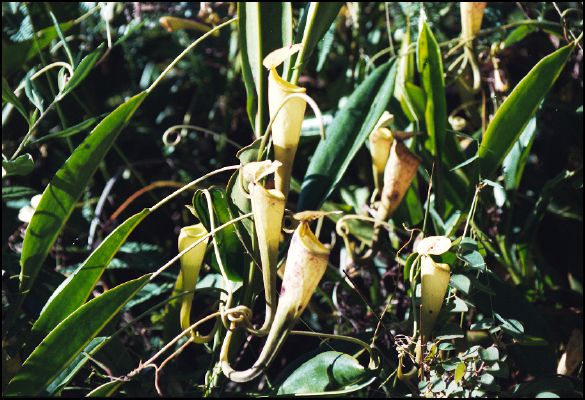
(327,371)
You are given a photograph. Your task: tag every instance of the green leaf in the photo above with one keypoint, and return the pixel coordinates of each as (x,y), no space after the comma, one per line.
(510,303)
(81,71)
(315,22)
(444,148)
(68,373)
(456,306)
(547,395)
(227,239)
(32,93)
(460,282)
(531,26)
(512,327)
(17,192)
(417,99)
(22,165)
(76,289)
(327,371)
(239,204)
(71,131)
(408,266)
(460,371)
(487,379)
(106,390)
(515,161)
(474,260)
(60,348)
(66,187)
(149,291)
(446,346)
(262,28)
(9,97)
(490,354)
(517,110)
(325,47)
(346,135)
(362,230)
(430,67)
(62,40)
(438,386)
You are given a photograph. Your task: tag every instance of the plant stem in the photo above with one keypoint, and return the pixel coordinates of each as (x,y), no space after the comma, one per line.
(187,50)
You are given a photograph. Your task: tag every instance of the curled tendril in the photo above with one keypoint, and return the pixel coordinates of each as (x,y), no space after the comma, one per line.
(56,64)
(179,135)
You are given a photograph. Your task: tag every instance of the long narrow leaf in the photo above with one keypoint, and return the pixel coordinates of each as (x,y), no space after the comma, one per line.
(515,113)
(82,70)
(60,348)
(9,96)
(68,373)
(346,134)
(71,131)
(514,163)
(315,23)
(430,67)
(75,290)
(227,239)
(262,27)
(66,187)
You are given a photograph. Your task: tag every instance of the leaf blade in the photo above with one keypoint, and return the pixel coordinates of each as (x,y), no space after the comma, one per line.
(330,370)
(70,337)
(345,136)
(56,204)
(75,290)
(516,111)
(262,27)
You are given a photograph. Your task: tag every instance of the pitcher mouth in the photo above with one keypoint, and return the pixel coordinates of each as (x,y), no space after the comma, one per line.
(271,193)
(310,241)
(194,231)
(440,266)
(286,86)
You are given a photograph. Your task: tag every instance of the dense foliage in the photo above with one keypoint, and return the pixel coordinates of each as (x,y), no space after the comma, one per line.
(436,199)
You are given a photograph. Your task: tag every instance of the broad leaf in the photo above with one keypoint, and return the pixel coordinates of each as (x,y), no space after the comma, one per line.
(106,390)
(430,67)
(22,165)
(529,27)
(17,192)
(14,55)
(442,146)
(510,305)
(327,371)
